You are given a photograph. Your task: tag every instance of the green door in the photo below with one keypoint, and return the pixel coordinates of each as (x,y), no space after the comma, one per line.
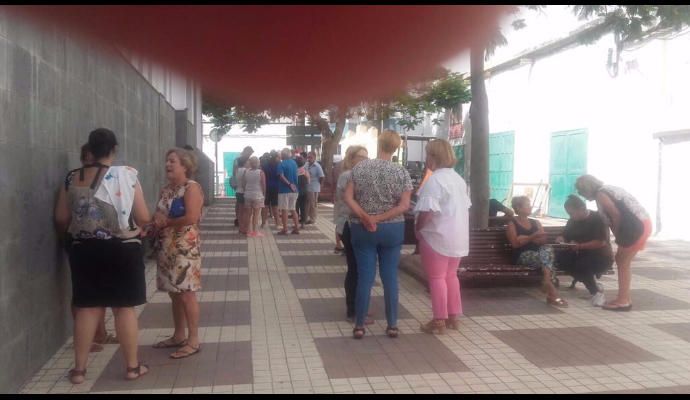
(501,147)
(228,160)
(459,151)
(568,162)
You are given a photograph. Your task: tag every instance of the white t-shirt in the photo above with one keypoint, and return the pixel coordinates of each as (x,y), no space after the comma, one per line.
(445,195)
(240,180)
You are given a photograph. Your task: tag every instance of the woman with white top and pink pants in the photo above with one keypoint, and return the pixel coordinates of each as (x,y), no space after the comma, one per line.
(442,228)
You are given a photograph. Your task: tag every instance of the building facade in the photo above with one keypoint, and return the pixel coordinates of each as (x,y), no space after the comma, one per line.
(562,109)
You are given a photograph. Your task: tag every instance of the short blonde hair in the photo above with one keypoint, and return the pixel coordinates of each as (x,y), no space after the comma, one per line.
(350,154)
(441,153)
(588,184)
(389,141)
(187,159)
(518,201)
(254,162)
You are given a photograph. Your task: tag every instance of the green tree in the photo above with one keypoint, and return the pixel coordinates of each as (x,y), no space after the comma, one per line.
(479,117)
(443,91)
(628,23)
(632,23)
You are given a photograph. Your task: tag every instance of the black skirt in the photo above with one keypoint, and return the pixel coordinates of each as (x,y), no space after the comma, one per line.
(107,273)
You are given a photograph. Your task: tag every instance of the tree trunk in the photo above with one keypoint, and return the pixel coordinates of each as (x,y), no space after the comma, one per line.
(329,145)
(479,166)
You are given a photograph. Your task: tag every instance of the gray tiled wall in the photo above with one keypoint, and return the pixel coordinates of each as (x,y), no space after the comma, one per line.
(53,91)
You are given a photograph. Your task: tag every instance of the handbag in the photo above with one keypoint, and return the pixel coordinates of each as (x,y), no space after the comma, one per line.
(177,209)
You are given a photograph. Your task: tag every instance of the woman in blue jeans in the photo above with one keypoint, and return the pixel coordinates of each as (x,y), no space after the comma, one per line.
(378,195)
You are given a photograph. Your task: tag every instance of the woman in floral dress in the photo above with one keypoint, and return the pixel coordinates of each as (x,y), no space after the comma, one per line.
(179,256)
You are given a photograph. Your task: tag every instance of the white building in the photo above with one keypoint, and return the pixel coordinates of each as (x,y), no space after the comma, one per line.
(558,109)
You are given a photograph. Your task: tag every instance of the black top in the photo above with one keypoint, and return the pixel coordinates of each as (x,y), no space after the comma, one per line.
(521,231)
(586,230)
(494,207)
(302,183)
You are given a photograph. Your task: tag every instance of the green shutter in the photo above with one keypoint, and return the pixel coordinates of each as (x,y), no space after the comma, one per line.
(501,149)
(568,162)
(228,160)
(460,156)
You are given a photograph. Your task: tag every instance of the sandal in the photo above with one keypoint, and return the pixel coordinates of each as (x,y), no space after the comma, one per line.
(169,343)
(185,354)
(453,324)
(435,326)
(617,307)
(358,333)
(558,302)
(282,233)
(77,376)
(295,231)
(137,370)
(392,331)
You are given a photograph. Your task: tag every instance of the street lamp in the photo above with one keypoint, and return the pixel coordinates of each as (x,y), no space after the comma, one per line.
(215,135)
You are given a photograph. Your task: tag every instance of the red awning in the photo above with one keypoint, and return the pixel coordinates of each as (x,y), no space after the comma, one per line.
(271,56)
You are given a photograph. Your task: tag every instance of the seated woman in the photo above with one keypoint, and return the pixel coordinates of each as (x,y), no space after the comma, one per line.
(527,237)
(591,253)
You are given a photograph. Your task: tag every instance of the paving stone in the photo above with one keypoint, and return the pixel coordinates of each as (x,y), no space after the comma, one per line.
(226,363)
(499,302)
(379,355)
(319,280)
(212,283)
(159,315)
(569,347)
(333,309)
(301,261)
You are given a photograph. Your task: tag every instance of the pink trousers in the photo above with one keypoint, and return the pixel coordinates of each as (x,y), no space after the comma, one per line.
(442,273)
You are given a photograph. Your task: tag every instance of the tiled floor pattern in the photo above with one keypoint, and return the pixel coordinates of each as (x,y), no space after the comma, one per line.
(272,322)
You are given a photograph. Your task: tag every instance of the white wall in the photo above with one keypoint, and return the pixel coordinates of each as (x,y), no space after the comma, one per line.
(573,90)
(269,137)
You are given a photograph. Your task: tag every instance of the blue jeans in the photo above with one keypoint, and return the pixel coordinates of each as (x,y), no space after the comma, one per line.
(385,245)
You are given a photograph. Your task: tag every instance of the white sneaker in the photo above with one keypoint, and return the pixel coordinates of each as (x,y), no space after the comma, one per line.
(599,299)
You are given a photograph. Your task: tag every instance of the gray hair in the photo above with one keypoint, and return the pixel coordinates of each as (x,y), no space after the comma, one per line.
(286,153)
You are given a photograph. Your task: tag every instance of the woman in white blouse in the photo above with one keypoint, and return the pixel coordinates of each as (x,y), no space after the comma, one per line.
(442,228)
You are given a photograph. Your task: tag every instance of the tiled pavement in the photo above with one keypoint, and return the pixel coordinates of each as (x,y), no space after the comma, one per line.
(273,322)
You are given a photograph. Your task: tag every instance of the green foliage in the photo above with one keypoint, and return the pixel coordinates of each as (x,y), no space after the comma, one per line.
(633,22)
(443,91)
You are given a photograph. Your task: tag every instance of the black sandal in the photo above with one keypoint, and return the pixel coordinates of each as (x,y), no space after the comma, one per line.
(358,333)
(137,370)
(392,332)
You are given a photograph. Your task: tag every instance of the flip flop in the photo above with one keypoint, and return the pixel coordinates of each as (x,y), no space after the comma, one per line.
(617,307)
(558,302)
(169,343)
(186,354)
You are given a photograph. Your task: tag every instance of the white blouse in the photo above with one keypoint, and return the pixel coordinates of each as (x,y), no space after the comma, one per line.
(445,195)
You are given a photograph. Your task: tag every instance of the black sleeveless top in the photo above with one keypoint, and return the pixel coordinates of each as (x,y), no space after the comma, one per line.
(521,231)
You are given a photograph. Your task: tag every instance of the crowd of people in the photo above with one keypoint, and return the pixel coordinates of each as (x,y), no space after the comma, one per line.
(102,210)
(280,186)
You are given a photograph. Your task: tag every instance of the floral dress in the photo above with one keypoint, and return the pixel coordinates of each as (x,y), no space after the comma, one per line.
(179,253)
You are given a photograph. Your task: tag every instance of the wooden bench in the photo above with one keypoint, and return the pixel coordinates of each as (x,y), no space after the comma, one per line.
(491,255)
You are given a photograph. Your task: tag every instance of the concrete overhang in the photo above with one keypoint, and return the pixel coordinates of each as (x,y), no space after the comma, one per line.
(671,137)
